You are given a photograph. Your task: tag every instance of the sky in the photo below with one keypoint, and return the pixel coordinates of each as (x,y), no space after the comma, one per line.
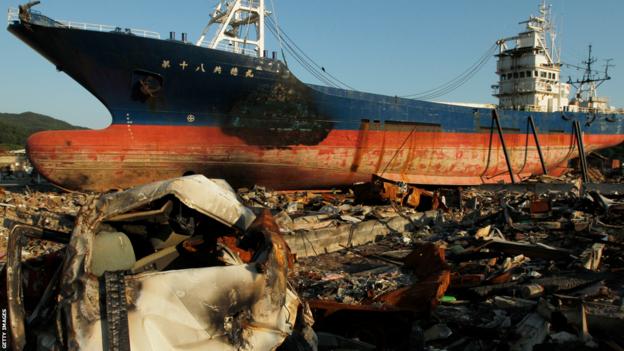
(392,47)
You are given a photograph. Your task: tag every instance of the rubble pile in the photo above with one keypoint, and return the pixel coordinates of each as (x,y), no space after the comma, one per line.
(472,269)
(50,209)
(526,268)
(357,276)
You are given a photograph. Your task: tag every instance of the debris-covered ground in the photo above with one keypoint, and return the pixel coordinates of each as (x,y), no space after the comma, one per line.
(42,206)
(461,269)
(526,268)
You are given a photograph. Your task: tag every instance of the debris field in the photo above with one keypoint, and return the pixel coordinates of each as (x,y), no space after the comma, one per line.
(499,268)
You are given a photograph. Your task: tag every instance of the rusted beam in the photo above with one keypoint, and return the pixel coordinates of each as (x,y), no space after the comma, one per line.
(15,296)
(537,143)
(502,139)
(581,147)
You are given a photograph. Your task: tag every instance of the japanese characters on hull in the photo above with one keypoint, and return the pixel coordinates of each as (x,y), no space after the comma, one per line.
(218,69)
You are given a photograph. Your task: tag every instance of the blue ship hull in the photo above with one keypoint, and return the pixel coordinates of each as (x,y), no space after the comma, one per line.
(251,120)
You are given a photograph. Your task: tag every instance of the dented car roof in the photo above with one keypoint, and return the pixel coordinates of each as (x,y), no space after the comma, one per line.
(212,197)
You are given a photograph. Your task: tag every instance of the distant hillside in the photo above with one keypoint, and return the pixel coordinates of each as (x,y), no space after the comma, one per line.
(16,128)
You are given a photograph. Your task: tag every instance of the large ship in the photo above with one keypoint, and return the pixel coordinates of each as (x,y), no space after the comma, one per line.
(227,109)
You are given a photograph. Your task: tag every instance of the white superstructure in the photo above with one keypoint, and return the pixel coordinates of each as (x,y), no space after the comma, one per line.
(529,68)
(239,27)
(529,71)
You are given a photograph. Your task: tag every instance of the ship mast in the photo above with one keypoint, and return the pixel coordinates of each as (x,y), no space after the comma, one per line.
(239,27)
(586,88)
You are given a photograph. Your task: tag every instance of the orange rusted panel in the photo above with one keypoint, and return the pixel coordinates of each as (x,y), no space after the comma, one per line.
(101,160)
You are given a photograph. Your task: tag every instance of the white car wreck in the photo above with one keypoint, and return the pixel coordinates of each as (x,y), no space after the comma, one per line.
(174,265)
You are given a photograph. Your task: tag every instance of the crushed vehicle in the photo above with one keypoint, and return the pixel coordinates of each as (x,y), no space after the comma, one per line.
(177,264)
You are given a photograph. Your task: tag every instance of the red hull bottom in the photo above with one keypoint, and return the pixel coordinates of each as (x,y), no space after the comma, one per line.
(124,156)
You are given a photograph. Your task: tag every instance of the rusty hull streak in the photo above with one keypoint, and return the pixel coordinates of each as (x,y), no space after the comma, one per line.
(93,162)
(361,144)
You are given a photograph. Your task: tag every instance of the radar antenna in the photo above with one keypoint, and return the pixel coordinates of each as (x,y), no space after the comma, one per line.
(586,87)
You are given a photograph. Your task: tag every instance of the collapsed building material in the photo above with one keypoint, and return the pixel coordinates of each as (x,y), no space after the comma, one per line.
(532,330)
(353,291)
(314,242)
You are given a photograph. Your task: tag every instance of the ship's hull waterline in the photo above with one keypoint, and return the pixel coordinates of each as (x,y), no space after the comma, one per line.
(122,156)
(179,109)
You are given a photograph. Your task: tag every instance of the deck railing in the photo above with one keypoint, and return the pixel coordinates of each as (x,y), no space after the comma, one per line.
(13,16)
(108,28)
(224,46)
(250,3)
